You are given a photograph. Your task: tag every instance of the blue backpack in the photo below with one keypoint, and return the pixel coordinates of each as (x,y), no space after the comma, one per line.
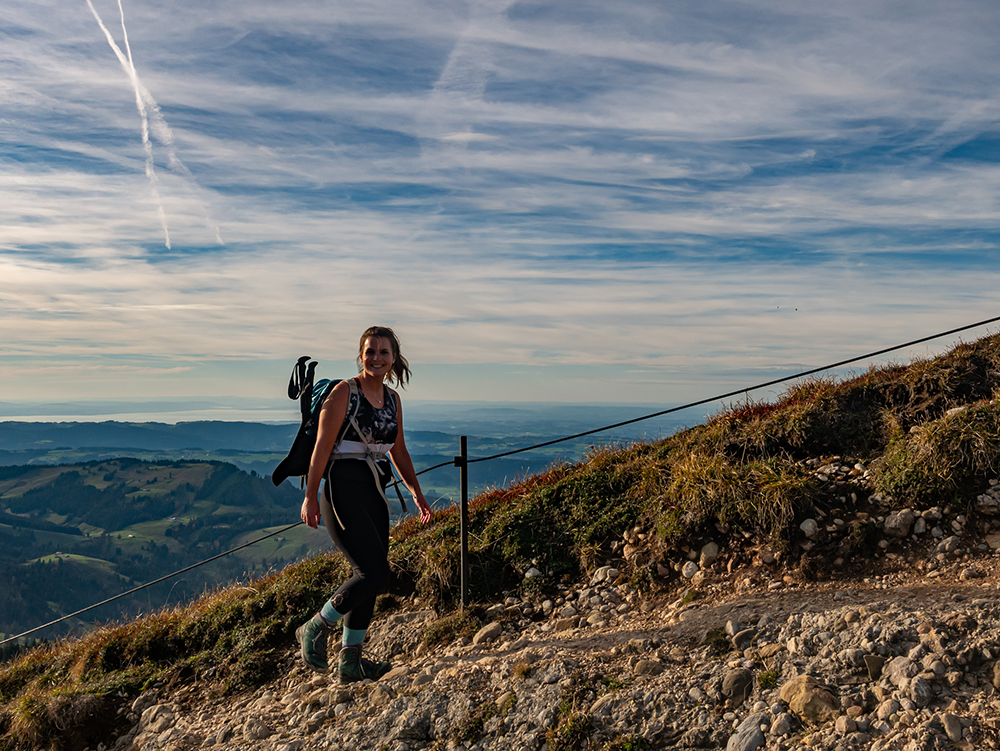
(310,395)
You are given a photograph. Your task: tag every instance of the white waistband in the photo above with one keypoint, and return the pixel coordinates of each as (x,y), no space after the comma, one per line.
(357,447)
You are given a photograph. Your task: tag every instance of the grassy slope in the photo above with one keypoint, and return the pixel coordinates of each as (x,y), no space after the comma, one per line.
(741,474)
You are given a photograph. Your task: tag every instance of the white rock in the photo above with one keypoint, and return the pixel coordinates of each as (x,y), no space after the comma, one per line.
(898,523)
(782,725)
(709,554)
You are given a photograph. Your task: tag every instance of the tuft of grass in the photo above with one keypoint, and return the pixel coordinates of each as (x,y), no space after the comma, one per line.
(610,684)
(761,496)
(459,623)
(571,731)
(768,679)
(944,459)
(472,727)
(241,632)
(717,642)
(522,670)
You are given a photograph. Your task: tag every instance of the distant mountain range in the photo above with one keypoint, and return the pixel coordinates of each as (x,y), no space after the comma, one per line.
(206,435)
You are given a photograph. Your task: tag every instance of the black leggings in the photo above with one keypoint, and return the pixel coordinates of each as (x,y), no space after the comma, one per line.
(364,538)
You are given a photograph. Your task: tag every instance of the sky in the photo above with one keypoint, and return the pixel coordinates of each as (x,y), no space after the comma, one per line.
(581,202)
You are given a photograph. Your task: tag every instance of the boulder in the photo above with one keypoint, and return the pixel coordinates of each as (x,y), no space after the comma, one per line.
(900,670)
(921,692)
(809,699)
(709,554)
(488,633)
(157,719)
(737,685)
(898,523)
(648,667)
(743,639)
(952,727)
(875,664)
(748,735)
(783,724)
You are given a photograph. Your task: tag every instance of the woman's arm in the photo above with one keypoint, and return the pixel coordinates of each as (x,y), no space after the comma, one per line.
(404,465)
(331,417)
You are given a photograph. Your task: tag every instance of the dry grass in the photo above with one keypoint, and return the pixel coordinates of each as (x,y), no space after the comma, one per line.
(943,461)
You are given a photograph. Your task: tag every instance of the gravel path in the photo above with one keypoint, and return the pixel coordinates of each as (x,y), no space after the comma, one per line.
(895,661)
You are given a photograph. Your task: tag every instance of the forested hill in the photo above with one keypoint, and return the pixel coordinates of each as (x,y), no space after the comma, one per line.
(72,535)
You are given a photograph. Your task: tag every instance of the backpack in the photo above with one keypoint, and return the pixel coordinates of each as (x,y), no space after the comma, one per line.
(311,395)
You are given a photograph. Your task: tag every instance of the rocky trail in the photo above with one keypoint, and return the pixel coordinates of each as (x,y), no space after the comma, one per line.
(901,660)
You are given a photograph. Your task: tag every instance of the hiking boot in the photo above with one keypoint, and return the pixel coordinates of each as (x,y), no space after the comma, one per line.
(312,636)
(353,667)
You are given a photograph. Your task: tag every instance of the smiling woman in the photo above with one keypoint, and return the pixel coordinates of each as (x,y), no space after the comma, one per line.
(351,454)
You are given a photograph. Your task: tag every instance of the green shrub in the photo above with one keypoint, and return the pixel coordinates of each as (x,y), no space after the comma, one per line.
(944,459)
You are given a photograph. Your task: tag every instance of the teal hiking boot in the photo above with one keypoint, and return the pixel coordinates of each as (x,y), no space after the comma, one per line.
(353,667)
(312,636)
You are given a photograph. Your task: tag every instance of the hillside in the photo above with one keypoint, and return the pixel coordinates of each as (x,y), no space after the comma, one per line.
(107,526)
(800,521)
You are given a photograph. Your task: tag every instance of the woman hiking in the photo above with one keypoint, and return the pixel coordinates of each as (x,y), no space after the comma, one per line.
(351,455)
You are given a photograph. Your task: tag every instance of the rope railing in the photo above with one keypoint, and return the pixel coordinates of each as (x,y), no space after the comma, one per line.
(462,461)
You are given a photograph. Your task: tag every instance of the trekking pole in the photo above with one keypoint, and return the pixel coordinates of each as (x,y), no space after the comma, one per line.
(462,462)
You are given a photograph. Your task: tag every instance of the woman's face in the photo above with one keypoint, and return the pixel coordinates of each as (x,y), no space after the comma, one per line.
(377,357)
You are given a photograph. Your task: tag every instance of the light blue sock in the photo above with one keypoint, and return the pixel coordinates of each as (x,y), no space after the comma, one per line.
(330,614)
(354,636)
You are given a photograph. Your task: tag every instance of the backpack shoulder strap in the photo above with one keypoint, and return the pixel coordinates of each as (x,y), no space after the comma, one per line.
(353,404)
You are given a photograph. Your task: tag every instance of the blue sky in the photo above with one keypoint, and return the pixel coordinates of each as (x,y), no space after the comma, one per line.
(590,201)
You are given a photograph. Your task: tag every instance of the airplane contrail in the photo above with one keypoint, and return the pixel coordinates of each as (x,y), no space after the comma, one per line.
(162,130)
(141,106)
(150,115)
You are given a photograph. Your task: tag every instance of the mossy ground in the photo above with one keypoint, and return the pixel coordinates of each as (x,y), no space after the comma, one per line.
(740,476)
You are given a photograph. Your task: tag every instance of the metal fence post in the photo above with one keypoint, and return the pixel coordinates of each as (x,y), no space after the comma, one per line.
(462,460)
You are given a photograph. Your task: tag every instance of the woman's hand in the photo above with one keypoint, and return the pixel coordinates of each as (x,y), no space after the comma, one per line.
(310,511)
(424,506)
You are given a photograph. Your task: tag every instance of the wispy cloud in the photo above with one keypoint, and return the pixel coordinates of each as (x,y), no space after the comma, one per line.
(508,183)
